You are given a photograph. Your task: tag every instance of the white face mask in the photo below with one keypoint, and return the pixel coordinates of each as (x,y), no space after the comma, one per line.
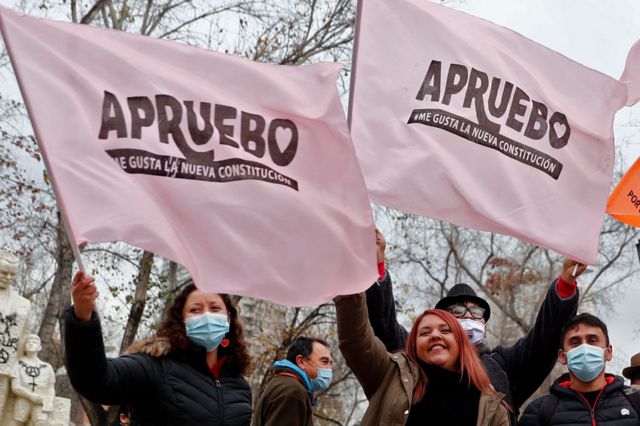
(475,330)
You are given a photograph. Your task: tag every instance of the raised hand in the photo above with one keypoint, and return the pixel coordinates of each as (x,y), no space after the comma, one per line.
(84,294)
(570,272)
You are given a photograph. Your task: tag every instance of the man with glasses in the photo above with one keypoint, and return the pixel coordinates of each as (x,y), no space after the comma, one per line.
(517,370)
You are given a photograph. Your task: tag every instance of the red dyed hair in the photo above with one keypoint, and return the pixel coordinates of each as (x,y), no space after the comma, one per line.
(468,361)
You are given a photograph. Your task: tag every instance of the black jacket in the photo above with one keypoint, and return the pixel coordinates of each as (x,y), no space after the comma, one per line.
(516,371)
(612,408)
(163,387)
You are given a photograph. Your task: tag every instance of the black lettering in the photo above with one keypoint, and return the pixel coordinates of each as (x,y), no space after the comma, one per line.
(199,137)
(251,139)
(285,157)
(169,116)
(431,84)
(137,105)
(112,122)
(476,93)
(222,113)
(557,123)
(517,109)
(499,110)
(455,71)
(537,124)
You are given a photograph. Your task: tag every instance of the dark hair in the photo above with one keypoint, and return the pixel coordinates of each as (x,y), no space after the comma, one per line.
(303,346)
(173,329)
(586,319)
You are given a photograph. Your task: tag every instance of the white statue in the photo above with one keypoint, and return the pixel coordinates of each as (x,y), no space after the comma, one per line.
(61,412)
(14,324)
(33,387)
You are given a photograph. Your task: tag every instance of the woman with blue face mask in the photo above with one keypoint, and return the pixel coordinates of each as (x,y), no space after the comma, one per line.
(189,373)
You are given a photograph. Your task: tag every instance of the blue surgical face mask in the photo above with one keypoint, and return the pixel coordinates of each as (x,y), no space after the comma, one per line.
(586,361)
(323,381)
(207,329)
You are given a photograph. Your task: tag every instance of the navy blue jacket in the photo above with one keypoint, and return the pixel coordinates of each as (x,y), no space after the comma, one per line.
(612,408)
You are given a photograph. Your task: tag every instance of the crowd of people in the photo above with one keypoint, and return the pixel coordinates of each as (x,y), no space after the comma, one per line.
(440,372)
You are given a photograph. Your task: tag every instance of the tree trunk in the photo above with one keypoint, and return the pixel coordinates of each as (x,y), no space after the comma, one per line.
(139,300)
(59,297)
(172,286)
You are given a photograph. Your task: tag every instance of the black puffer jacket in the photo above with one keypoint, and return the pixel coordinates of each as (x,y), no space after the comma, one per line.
(612,408)
(516,371)
(163,387)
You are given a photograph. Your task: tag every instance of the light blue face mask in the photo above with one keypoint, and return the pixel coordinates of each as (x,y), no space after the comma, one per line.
(323,381)
(586,361)
(207,329)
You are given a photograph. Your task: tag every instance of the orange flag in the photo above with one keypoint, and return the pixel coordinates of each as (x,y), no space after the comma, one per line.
(624,201)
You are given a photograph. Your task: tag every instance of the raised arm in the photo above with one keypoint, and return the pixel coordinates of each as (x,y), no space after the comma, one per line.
(365,354)
(124,380)
(382,314)
(382,308)
(531,358)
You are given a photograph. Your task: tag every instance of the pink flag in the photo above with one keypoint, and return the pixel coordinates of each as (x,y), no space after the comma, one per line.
(631,74)
(243,172)
(459,119)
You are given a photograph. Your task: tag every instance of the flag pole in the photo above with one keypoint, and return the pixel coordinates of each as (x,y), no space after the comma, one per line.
(354,61)
(63,214)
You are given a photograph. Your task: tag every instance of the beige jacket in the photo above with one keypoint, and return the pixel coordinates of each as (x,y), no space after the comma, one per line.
(388,379)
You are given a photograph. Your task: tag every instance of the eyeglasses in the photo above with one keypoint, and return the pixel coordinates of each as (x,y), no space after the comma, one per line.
(459,311)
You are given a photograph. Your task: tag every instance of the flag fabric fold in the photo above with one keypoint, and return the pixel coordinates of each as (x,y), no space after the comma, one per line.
(242,172)
(459,119)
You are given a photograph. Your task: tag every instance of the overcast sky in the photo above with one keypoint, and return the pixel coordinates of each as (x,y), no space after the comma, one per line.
(598,34)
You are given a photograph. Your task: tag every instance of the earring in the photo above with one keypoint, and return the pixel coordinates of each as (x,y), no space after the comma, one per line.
(224,343)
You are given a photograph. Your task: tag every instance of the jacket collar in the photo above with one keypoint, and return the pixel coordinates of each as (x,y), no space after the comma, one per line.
(562,385)
(288,366)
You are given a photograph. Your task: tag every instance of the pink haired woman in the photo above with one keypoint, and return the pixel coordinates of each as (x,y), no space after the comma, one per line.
(438,380)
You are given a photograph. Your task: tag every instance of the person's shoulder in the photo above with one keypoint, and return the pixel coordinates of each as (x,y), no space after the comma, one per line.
(534,405)
(286,386)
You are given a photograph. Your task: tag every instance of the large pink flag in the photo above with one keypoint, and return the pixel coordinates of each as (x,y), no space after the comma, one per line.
(459,119)
(243,172)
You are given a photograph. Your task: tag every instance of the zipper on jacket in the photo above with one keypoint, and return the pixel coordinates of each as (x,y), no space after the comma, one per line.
(220,402)
(592,410)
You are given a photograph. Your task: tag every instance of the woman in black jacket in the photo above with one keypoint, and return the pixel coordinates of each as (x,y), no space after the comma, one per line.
(189,373)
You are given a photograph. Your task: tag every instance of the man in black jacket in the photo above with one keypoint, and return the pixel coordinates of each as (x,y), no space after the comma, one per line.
(586,395)
(517,370)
